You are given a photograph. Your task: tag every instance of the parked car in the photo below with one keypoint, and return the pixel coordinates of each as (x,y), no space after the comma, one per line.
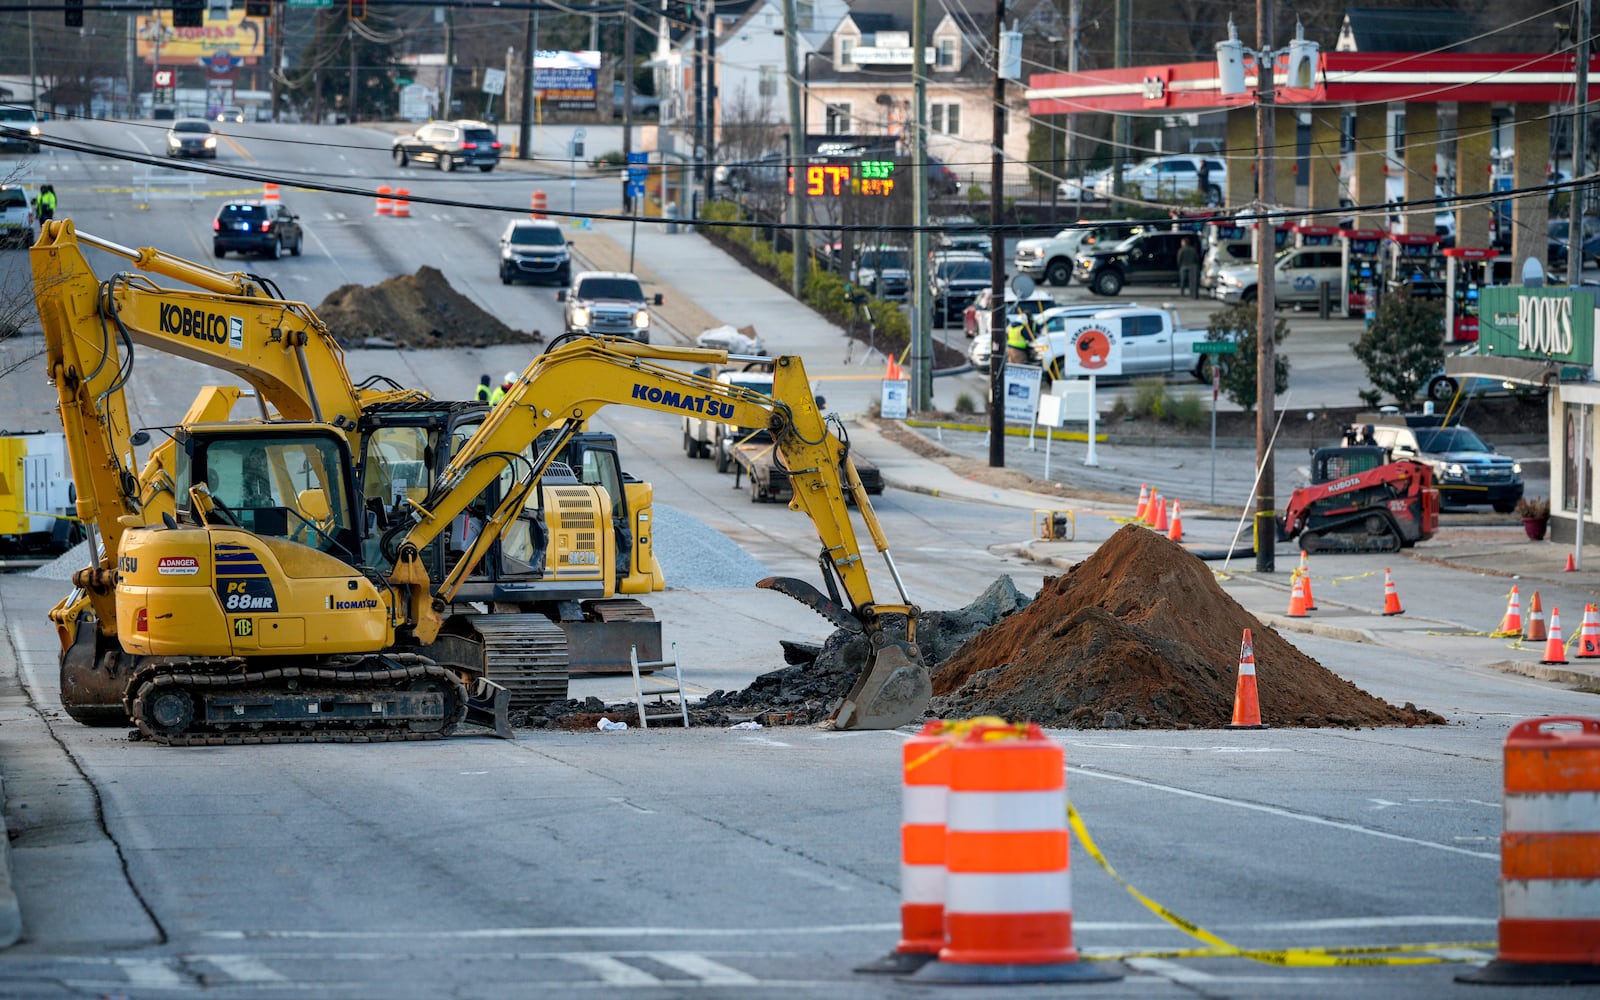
(957,278)
(1177,178)
(885,271)
(1051,258)
(534,250)
(1556,255)
(16,215)
(1150,258)
(448,145)
(1037,305)
(266,228)
(942,181)
(19,128)
(976,317)
(960,237)
(1466,471)
(192,137)
(608,303)
(1299,273)
(1441,386)
(644,105)
(1228,253)
(768,171)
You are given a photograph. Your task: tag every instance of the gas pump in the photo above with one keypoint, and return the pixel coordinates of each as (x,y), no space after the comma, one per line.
(1414,263)
(1363,273)
(1223,231)
(1306,235)
(1467,270)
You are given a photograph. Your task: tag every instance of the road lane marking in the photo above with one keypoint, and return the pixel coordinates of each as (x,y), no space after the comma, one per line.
(238,147)
(614,972)
(245,969)
(710,973)
(504,933)
(1286,814)
(154,973)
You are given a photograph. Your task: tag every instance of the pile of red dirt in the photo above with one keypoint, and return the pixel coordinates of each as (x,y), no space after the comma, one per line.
(419,310)
(1141,635)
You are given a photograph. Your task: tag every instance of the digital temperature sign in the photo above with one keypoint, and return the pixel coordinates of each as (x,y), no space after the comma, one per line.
(867,178)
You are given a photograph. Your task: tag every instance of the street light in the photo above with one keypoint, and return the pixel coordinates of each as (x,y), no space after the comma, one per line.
(1302,65)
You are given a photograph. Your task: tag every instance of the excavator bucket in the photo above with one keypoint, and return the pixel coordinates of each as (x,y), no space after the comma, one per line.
(893,689)
(489,707)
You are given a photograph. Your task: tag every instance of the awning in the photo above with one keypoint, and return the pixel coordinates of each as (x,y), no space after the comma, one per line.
(1522,371)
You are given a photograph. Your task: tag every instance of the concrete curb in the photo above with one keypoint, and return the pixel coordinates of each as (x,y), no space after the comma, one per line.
(10,910)
(1557,673)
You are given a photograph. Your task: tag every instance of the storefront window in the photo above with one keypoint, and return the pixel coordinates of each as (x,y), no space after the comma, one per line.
(1574,453)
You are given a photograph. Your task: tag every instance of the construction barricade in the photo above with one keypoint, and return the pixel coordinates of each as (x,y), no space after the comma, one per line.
(269,194)
(402,204)
(1008,902)
(385,201)
(1549,856)
(537,204)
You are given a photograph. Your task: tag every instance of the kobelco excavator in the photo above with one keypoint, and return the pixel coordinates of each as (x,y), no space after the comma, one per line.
(401,440)
(271,608)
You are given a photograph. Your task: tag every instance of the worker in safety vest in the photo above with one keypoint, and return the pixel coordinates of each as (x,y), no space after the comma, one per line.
(1019,341)
(44,206)
(505,387)
(485,390)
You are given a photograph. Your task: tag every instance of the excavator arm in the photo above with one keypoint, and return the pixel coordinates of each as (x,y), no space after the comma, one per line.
(571,381)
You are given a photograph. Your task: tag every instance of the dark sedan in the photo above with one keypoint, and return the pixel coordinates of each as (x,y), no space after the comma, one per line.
(266,228)
(448,145)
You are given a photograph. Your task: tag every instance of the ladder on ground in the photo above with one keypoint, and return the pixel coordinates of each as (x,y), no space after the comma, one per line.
(663,709)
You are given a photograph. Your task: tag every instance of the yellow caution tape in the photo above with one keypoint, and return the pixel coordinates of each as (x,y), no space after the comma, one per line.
(40,513)
(1286,957)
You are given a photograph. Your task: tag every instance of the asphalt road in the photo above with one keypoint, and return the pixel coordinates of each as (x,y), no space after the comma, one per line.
(730,863)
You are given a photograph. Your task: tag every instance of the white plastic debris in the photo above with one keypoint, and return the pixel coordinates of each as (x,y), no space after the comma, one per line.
(752,724)
(607,726)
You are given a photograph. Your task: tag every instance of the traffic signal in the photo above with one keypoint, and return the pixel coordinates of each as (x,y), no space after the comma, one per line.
(188,13)
(74,13)
(258,8)
(358,10)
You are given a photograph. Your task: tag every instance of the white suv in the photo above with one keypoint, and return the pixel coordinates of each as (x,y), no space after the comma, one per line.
(16,215)
(1177,178)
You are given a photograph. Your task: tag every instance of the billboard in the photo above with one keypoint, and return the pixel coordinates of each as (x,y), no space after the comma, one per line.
(1554,324)
(221,44)
(566,80)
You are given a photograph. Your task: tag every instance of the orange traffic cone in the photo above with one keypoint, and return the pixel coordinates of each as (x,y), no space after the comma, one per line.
(1571,567)
(1175,529)
(1589,638)
(1297,598)
(1511,624)
(1246,707)
(1555,651)
(1535,631)
(1144,502)
(1391,598)
(1155,504)
(1161,524)
(891,371)
(1305,576)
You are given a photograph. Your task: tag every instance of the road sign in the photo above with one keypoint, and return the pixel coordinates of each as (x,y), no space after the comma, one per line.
(402,81)
(639,157)
(494,81)
(635,189)
(311,3)
(1215,347)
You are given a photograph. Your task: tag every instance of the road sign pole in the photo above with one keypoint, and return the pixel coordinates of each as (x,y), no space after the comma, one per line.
(1090,459)
(1215,348)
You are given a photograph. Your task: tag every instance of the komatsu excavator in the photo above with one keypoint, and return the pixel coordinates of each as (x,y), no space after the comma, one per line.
(272,608)
(401,440)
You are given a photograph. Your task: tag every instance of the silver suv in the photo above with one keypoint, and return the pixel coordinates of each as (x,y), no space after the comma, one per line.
(1299,272)
(19,128)
(608,304)
(16,215)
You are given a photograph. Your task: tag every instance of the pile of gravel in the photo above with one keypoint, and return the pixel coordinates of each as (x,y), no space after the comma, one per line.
(66,564)
(695,556)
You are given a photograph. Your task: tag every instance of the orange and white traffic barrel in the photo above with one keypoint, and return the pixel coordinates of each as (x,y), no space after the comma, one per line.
(269,194)
(1008,900)
(402,203)
(385,205)
(1549,856)
(537,204)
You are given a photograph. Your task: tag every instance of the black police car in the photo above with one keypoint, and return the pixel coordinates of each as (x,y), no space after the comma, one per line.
(257,227)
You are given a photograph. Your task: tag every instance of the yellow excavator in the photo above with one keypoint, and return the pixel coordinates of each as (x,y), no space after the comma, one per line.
(401,440)
(271,608)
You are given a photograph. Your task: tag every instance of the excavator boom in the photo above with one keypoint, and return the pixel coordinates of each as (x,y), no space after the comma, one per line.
(568,383)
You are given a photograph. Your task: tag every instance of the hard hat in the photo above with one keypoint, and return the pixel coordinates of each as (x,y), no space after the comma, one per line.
(510,377)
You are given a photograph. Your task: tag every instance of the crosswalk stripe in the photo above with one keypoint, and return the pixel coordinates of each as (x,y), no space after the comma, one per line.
(154,973)
(710,973)
(613,972)
(245,969)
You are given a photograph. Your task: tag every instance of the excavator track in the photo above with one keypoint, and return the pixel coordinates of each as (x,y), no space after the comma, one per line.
(1359,532)
(527,655)
(618,609)
(220,701)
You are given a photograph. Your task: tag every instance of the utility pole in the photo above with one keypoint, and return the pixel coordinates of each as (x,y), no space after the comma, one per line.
(1266,533)
(350,112)
(530,41)
(698,143)
(449,62)
(710,156)
(1122,132)
(627,104)
(797,145)
(132,35)
(1074,20)
(997,259)
(33,73)
(921,325)
(275,31)
(1580,147)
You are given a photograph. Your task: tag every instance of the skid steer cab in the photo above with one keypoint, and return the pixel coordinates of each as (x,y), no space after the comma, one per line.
(1359,501)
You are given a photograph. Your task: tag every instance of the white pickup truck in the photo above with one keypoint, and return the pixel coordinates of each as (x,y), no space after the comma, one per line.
(1152,343)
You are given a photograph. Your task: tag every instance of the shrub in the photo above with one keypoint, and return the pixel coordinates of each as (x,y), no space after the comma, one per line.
(1404,346)
(965,403)
(609,160)
(1238,324)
